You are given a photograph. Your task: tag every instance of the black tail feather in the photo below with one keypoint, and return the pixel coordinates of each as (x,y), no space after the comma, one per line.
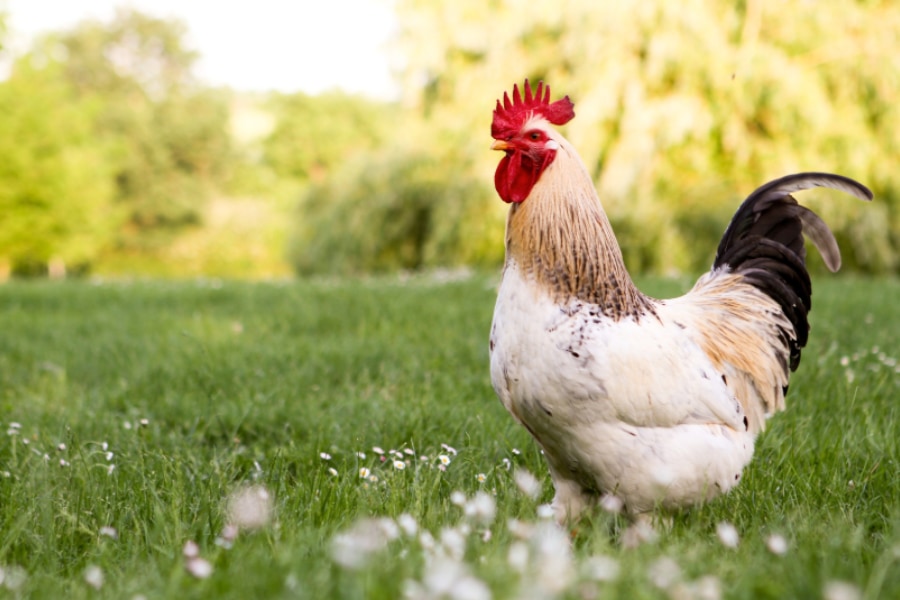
(764,243)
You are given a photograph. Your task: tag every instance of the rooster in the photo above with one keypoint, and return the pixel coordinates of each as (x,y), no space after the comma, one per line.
(655,402)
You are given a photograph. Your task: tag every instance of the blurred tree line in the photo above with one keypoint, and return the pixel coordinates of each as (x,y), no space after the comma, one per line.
(682,108)
(108,144)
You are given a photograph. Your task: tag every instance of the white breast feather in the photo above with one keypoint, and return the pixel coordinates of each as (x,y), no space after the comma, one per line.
(634,408)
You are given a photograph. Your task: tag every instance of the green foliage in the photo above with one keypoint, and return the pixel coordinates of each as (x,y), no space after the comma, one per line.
(314,135)
(56,192)
(683,109)
(171,135)
(244,383)
(395,209)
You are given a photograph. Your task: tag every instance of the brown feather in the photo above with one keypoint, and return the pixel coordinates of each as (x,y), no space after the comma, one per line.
(562,237)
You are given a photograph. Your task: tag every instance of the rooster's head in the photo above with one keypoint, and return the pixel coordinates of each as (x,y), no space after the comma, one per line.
(521,128)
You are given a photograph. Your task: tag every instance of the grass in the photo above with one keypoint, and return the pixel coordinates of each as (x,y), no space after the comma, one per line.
(142,406)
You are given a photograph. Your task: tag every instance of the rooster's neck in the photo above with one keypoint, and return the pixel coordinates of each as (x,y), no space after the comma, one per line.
(561,237)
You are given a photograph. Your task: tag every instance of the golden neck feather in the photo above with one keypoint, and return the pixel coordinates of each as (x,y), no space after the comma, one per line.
(561,237)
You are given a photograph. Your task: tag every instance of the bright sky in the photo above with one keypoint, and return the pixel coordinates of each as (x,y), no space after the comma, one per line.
(260,45)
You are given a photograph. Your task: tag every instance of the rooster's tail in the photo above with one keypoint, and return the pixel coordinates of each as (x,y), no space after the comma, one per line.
(764,243)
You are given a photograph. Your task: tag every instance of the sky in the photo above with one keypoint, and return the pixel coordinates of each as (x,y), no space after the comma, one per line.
(258,45)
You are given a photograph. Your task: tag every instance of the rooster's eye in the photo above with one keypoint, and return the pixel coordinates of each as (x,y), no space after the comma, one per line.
(535,135)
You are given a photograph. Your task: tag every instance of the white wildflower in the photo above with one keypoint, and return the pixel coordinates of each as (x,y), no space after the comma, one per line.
(389,527)
(109,532)
(454,542)
(728,535)
(841,590)
(517,556)
(408,524)
(481,478)
(449,449)
(481,508)
(13,577)
(519,529)
(198,567)
(364,472)
(227,537)
(361,455)
(190,549)
(399,465)
(353,548)
(332,471)
(777,544)
(527,483)
(552,558)
(445,578)
(93,576)
(61,447)
(637,534)
(444,459)
(458,498)
(601,568)
(377,450)
(426,540)
(250,507)
(324,456)
(664,573)
(707,587)
(470,588)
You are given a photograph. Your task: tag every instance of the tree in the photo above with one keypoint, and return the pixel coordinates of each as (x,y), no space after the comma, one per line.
(171,135)
(394,208)
(56,187)
(313,135)
(682,108)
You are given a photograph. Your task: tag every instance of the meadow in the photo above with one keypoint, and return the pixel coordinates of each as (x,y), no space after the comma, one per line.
(339,438)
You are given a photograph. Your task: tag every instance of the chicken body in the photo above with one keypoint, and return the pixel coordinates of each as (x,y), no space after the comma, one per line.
(630,407)
(655,401)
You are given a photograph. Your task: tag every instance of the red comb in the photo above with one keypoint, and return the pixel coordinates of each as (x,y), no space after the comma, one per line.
(510,116)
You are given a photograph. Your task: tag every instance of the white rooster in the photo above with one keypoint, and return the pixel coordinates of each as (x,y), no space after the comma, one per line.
(657,402)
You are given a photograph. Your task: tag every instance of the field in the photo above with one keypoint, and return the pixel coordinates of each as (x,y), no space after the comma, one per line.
(350,429)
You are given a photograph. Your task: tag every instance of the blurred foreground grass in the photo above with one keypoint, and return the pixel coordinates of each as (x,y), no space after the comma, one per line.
(131,411)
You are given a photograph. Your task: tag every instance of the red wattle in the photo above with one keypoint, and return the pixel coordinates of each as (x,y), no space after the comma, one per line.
(516,175)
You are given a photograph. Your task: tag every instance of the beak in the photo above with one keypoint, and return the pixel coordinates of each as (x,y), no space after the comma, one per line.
(500,145)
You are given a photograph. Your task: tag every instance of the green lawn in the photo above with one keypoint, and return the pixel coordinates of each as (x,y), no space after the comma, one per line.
(131,411)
